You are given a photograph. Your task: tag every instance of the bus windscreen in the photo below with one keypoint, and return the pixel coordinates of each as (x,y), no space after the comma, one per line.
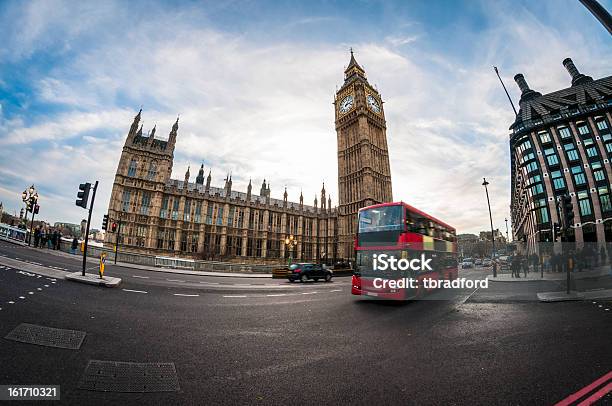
(385,218)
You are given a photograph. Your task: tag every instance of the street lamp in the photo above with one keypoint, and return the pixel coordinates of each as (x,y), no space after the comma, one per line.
(507,235)
(485,183)
(30,198)
(290,244)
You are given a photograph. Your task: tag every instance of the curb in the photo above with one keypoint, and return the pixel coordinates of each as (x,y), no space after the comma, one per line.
(548,297)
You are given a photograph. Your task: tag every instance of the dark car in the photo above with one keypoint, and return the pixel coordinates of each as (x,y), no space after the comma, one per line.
(306,271)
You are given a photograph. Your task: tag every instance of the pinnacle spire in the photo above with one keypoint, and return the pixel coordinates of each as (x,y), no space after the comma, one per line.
(353,67)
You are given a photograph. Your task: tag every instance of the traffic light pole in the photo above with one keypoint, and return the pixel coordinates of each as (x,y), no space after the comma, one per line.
(91,205)
(117,239)
(31,228)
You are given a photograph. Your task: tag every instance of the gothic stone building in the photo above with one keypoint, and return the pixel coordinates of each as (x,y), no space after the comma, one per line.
(164,216)
(561,144)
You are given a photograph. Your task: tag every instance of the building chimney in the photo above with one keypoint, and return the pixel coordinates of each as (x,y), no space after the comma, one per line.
(521,82)
(526,92)
(577,77)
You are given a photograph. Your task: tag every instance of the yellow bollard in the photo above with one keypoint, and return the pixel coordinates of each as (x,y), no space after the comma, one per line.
(102,263)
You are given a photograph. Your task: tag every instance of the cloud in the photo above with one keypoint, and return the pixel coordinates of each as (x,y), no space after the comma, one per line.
(263,109)
(397,41)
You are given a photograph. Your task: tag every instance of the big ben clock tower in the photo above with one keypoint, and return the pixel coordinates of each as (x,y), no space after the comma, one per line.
(364,175)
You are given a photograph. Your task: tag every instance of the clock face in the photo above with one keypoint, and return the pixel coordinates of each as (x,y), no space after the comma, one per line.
(346,104)
(373,103)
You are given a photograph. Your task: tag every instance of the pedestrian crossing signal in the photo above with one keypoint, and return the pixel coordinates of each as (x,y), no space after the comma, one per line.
(114,227)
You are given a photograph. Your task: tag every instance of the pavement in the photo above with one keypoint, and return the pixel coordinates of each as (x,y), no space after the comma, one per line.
(553,276)
(271,342)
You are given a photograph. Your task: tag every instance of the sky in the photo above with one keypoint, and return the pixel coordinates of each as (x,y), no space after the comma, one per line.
(254,81)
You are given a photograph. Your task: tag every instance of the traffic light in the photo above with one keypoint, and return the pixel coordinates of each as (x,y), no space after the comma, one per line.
(36,208)
(556,231)
(568,212)
(114,227)
(105,222)
(83,195)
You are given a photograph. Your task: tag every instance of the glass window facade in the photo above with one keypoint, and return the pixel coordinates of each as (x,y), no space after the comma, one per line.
(579,177)
(584,203)
(564,132)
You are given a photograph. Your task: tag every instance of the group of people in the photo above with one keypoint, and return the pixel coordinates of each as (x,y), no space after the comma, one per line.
(524,263)
(45,238)
(577,260)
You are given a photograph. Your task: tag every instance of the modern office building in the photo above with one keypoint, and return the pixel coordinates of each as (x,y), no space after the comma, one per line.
(561,144)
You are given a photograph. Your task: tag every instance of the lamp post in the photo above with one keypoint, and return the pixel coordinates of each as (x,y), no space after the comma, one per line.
(485,183)
(507,236)
(30,198)
(290,243)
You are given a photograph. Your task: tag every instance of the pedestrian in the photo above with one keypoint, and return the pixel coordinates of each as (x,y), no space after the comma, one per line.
(59,240)
(53,239)
(525,265)
(514,266)
(43,238)
(36,236)
(73,247)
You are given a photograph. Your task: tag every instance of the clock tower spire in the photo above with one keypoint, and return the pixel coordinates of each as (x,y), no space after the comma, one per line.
(364,173)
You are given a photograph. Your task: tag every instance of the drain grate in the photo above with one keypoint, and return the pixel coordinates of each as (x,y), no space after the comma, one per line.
(47,336)
(111,376)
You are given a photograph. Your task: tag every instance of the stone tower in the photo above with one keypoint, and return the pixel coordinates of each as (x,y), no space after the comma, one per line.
(364,174)
(144,169)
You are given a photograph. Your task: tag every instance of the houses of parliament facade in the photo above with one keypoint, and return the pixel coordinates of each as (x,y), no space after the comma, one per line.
(191,218)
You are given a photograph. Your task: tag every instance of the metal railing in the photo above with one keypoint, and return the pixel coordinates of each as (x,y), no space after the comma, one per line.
(171,262)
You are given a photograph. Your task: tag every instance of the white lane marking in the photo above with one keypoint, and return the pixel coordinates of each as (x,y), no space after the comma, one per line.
(30,293)
(185,295)
(234,295)
(11,302)
(46,286)
(309,293)
(280,294)
(211,283)
(21,297)
(141,277)
(336,290)
(38,288)
(174,280)
(135,291)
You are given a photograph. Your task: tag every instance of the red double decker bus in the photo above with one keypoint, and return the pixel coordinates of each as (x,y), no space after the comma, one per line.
(403,232)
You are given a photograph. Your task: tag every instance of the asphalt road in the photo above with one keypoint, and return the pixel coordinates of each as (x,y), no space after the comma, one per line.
(271,342)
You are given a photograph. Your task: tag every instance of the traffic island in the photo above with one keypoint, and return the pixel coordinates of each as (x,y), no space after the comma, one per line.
(93,279)
(560,296)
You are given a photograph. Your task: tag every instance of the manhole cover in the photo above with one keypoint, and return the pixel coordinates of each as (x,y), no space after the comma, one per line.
(47,336)
(111,376)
